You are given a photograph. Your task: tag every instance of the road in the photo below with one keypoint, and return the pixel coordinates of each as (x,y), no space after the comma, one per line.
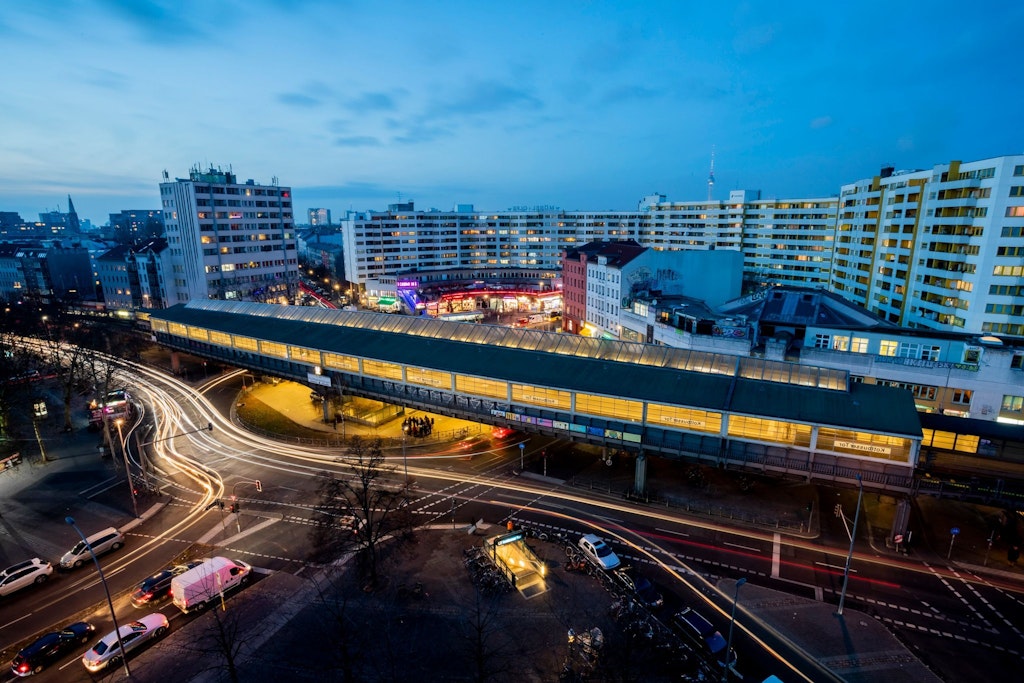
(938,611)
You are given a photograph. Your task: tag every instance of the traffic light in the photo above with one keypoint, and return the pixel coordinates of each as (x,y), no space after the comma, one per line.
(259,485)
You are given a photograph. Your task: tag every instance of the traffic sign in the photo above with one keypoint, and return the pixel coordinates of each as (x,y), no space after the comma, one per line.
(898,539)
(955,530)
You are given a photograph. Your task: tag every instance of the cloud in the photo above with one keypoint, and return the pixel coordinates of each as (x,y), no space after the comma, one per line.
(483,97)
(352,189)
(821,122)
(420,133)
(372,102)
(630,93)
(162,21)
(357,141)
(108,80)
(295,99)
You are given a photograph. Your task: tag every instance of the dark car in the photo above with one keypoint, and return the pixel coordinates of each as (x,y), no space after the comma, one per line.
(640,586)
(701,631)
(158,587)
(47,649)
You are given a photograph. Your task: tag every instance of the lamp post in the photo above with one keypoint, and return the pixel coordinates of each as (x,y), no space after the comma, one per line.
(127,470)
(732,622)
(110,603)
(405,460)
(853,537)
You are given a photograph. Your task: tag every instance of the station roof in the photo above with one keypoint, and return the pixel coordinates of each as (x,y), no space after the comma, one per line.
(716,382)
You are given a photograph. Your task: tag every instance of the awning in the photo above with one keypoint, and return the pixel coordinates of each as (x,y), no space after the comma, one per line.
(386,301)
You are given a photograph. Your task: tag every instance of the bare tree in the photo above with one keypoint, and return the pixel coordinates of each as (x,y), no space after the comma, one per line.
(360,509)
(486,640)
(15,363)
(66,359)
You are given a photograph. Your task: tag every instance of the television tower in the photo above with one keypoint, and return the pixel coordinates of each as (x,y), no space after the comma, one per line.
(711,174)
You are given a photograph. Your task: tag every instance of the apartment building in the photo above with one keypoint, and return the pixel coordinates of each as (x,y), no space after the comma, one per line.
(46,272)
(229,240)
(937,249)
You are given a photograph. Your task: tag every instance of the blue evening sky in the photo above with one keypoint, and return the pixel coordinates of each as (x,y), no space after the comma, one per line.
(581,105)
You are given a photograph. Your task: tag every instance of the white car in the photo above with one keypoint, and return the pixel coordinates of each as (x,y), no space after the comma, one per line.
(107,652)
(598,552)
(24,574)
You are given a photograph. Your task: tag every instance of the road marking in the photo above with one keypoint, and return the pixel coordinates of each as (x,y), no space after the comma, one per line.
(742,547)
(670,531)
(95,488)
(833,566)
(776,554)
(15,621)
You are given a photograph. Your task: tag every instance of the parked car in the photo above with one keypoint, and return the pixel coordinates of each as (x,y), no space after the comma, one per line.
(48,648)
(202,585)
(598,552)
(157,587)
(24,574)
(698,629)
(108,651)
(640,586)
(101,542)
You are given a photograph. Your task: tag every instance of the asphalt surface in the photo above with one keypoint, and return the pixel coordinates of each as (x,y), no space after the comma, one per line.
(36,495)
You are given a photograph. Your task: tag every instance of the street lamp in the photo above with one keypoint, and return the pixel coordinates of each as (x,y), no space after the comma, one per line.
(405,460)
(127,470)
(732,622)
(853,537)
(110,603)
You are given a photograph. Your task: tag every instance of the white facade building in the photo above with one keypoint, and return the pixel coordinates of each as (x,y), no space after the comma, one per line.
(937,249)
(229,240)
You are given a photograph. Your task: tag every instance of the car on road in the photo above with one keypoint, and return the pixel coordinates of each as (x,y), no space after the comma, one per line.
(474,445)
(50,647)
(503,433)
(639,586)
(598,552)
(157,587)
(24,574)
(108,652)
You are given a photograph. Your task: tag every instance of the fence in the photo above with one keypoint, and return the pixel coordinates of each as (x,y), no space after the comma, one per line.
(694,506)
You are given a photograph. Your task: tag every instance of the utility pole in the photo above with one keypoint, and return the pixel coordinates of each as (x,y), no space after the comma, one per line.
(853,537)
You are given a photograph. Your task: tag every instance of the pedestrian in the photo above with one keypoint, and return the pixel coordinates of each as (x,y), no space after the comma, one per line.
(1013,554)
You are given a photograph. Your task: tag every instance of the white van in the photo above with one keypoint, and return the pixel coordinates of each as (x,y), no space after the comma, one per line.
(199,586)
(101,542)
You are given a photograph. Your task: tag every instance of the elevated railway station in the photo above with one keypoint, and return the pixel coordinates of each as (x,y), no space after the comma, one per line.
(688,406)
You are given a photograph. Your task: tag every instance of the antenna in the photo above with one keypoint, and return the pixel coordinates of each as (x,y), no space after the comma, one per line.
(711,174)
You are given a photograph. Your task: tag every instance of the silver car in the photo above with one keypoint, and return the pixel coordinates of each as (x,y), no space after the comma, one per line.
(598,552)
(108,652)
(24,574)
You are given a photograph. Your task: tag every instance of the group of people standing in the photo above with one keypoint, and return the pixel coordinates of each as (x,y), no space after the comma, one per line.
(418,426)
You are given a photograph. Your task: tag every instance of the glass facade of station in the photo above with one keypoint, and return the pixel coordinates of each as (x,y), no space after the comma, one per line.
(633,416)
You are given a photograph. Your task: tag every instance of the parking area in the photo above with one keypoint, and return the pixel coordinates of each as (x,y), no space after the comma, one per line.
(428,622)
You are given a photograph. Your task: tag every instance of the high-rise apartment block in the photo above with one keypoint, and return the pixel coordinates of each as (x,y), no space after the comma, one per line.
(319,217)
(229,240)
(937,249)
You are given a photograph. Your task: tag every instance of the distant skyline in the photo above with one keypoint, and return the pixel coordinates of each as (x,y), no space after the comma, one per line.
(581,105)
